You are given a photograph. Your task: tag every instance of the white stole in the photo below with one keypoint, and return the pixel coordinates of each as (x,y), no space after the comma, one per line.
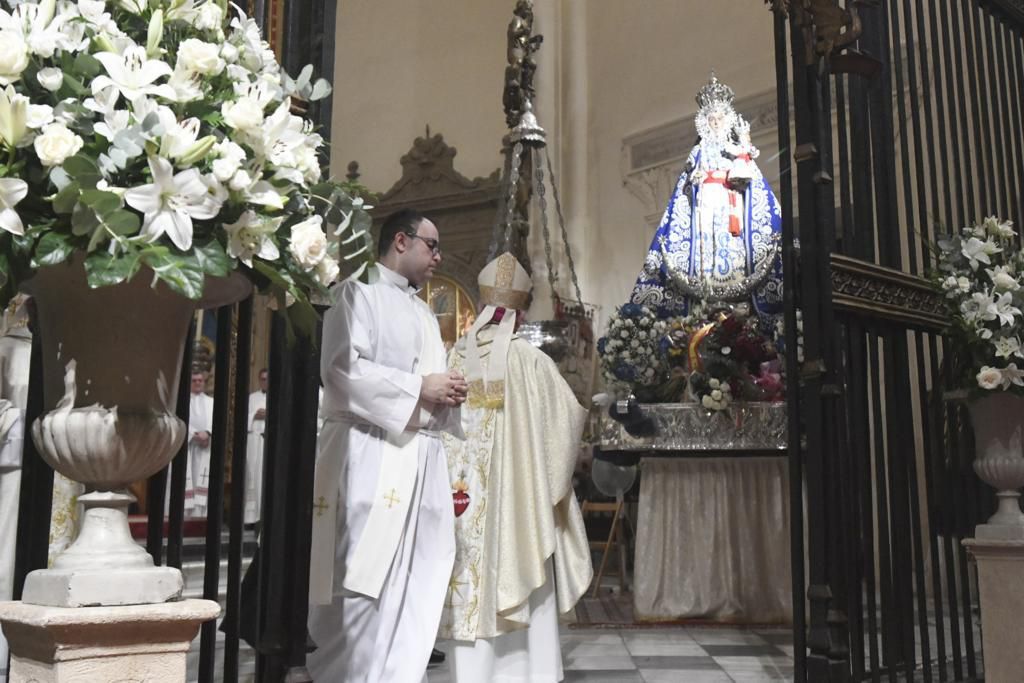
(396,483)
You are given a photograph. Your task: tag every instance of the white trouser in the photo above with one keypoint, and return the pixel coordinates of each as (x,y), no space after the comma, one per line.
(388,640)
(10,485)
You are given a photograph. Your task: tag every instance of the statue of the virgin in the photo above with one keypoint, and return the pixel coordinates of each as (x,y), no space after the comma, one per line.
(719,240)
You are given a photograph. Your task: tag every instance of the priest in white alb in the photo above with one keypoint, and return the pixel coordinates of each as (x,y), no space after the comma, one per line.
(383,525)
(254,446)
(200,427)
(15,355)
(522,553)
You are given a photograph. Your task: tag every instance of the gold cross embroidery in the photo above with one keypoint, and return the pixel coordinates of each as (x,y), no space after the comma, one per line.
(392,499)
(320,506)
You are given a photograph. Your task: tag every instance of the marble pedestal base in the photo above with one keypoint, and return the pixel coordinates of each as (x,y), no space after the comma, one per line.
(1001,587)
(134,643)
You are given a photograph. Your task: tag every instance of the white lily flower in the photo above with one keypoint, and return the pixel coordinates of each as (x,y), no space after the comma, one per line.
(179,137)
(997,228)
(977,251)
(1005,310)
(1011,375)
(12,191)
(133,74)
(1007,346)
(13,116)
(133,6)
(250,236)
(1003,279)
(171,201)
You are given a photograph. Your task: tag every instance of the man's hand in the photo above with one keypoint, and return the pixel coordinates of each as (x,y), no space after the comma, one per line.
(261,414)
(446,388)
(201,439)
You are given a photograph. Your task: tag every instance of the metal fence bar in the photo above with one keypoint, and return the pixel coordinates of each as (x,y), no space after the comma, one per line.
(236,516)
(36,497)
(222,409)
(179,466)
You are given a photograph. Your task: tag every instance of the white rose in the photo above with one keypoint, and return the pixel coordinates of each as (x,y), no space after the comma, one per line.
(327,271)
(241,180)
(989,378)
(229,52)
(716,394)
(308,242)
(56,144)
(50,78)
(209,17)
(38,115)
(1003,281)
(707,402)
(13,56)
(242,114)
(200,57)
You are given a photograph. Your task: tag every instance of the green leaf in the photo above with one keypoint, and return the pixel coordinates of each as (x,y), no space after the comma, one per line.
(101,202)
(88,66)
(66,199)
(103,269)
(280,278)
(122,222)
(72,86)
(83,169)
(84,220)
(181,276)
(304,317)
(211,258)
(52,249)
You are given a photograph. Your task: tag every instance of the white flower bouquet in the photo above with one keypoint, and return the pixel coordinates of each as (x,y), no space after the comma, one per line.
(980,274)
(159,134)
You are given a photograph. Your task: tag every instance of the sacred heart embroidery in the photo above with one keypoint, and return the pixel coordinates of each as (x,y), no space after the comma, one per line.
(459,496)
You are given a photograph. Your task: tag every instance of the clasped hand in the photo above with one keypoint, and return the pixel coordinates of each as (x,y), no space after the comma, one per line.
(447,388)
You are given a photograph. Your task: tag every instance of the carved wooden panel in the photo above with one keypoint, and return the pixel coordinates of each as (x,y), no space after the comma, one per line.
(463,209)
(865,288)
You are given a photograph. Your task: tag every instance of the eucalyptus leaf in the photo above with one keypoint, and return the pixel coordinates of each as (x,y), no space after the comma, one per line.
(100,201)
(66,199)
(87,66)
(84,220)
(321,89)
(122,222)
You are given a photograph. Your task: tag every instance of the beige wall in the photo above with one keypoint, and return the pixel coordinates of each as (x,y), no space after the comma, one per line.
(403,65)
(608,68)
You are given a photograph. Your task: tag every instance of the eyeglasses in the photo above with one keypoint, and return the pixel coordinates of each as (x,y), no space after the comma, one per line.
(433,245)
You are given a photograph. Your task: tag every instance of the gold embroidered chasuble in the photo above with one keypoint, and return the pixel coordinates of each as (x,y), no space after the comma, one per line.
(515,468)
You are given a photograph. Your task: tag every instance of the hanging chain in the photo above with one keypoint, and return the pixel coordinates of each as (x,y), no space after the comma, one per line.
(565,235)
(513,183)
(539,174)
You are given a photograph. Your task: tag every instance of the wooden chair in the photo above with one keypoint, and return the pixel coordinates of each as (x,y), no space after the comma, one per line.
(614,538)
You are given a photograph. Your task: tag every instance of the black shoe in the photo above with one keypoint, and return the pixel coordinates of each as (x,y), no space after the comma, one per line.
(436,656)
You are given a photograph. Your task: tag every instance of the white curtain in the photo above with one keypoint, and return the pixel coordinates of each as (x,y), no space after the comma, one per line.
(713,540)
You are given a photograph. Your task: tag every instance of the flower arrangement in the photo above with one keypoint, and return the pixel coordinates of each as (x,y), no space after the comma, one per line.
(979,272)
(160,133)
(711,358)
(630,353)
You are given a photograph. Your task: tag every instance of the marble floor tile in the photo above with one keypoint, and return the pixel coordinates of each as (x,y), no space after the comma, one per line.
(690,663)
(742,650)
(599,663)
(604,677)
(683,676)
(588,649)
(721,636)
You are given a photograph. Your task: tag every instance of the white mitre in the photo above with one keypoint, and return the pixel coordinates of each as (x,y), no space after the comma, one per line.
(504,283)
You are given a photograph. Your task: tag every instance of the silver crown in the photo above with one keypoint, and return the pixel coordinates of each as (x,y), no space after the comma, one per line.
(715,91)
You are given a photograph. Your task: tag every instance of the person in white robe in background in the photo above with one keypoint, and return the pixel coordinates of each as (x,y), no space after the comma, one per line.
(383,526)
(522,555)
(15,355)
(254,446)
(200,427)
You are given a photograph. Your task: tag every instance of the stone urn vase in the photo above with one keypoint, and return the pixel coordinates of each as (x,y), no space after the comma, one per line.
(998,422)
(111,363)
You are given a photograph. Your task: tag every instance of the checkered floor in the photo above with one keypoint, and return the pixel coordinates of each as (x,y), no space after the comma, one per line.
(676,655)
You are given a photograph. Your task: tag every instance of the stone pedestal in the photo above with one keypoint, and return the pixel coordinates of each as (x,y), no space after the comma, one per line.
(131,644)
(1001,585)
